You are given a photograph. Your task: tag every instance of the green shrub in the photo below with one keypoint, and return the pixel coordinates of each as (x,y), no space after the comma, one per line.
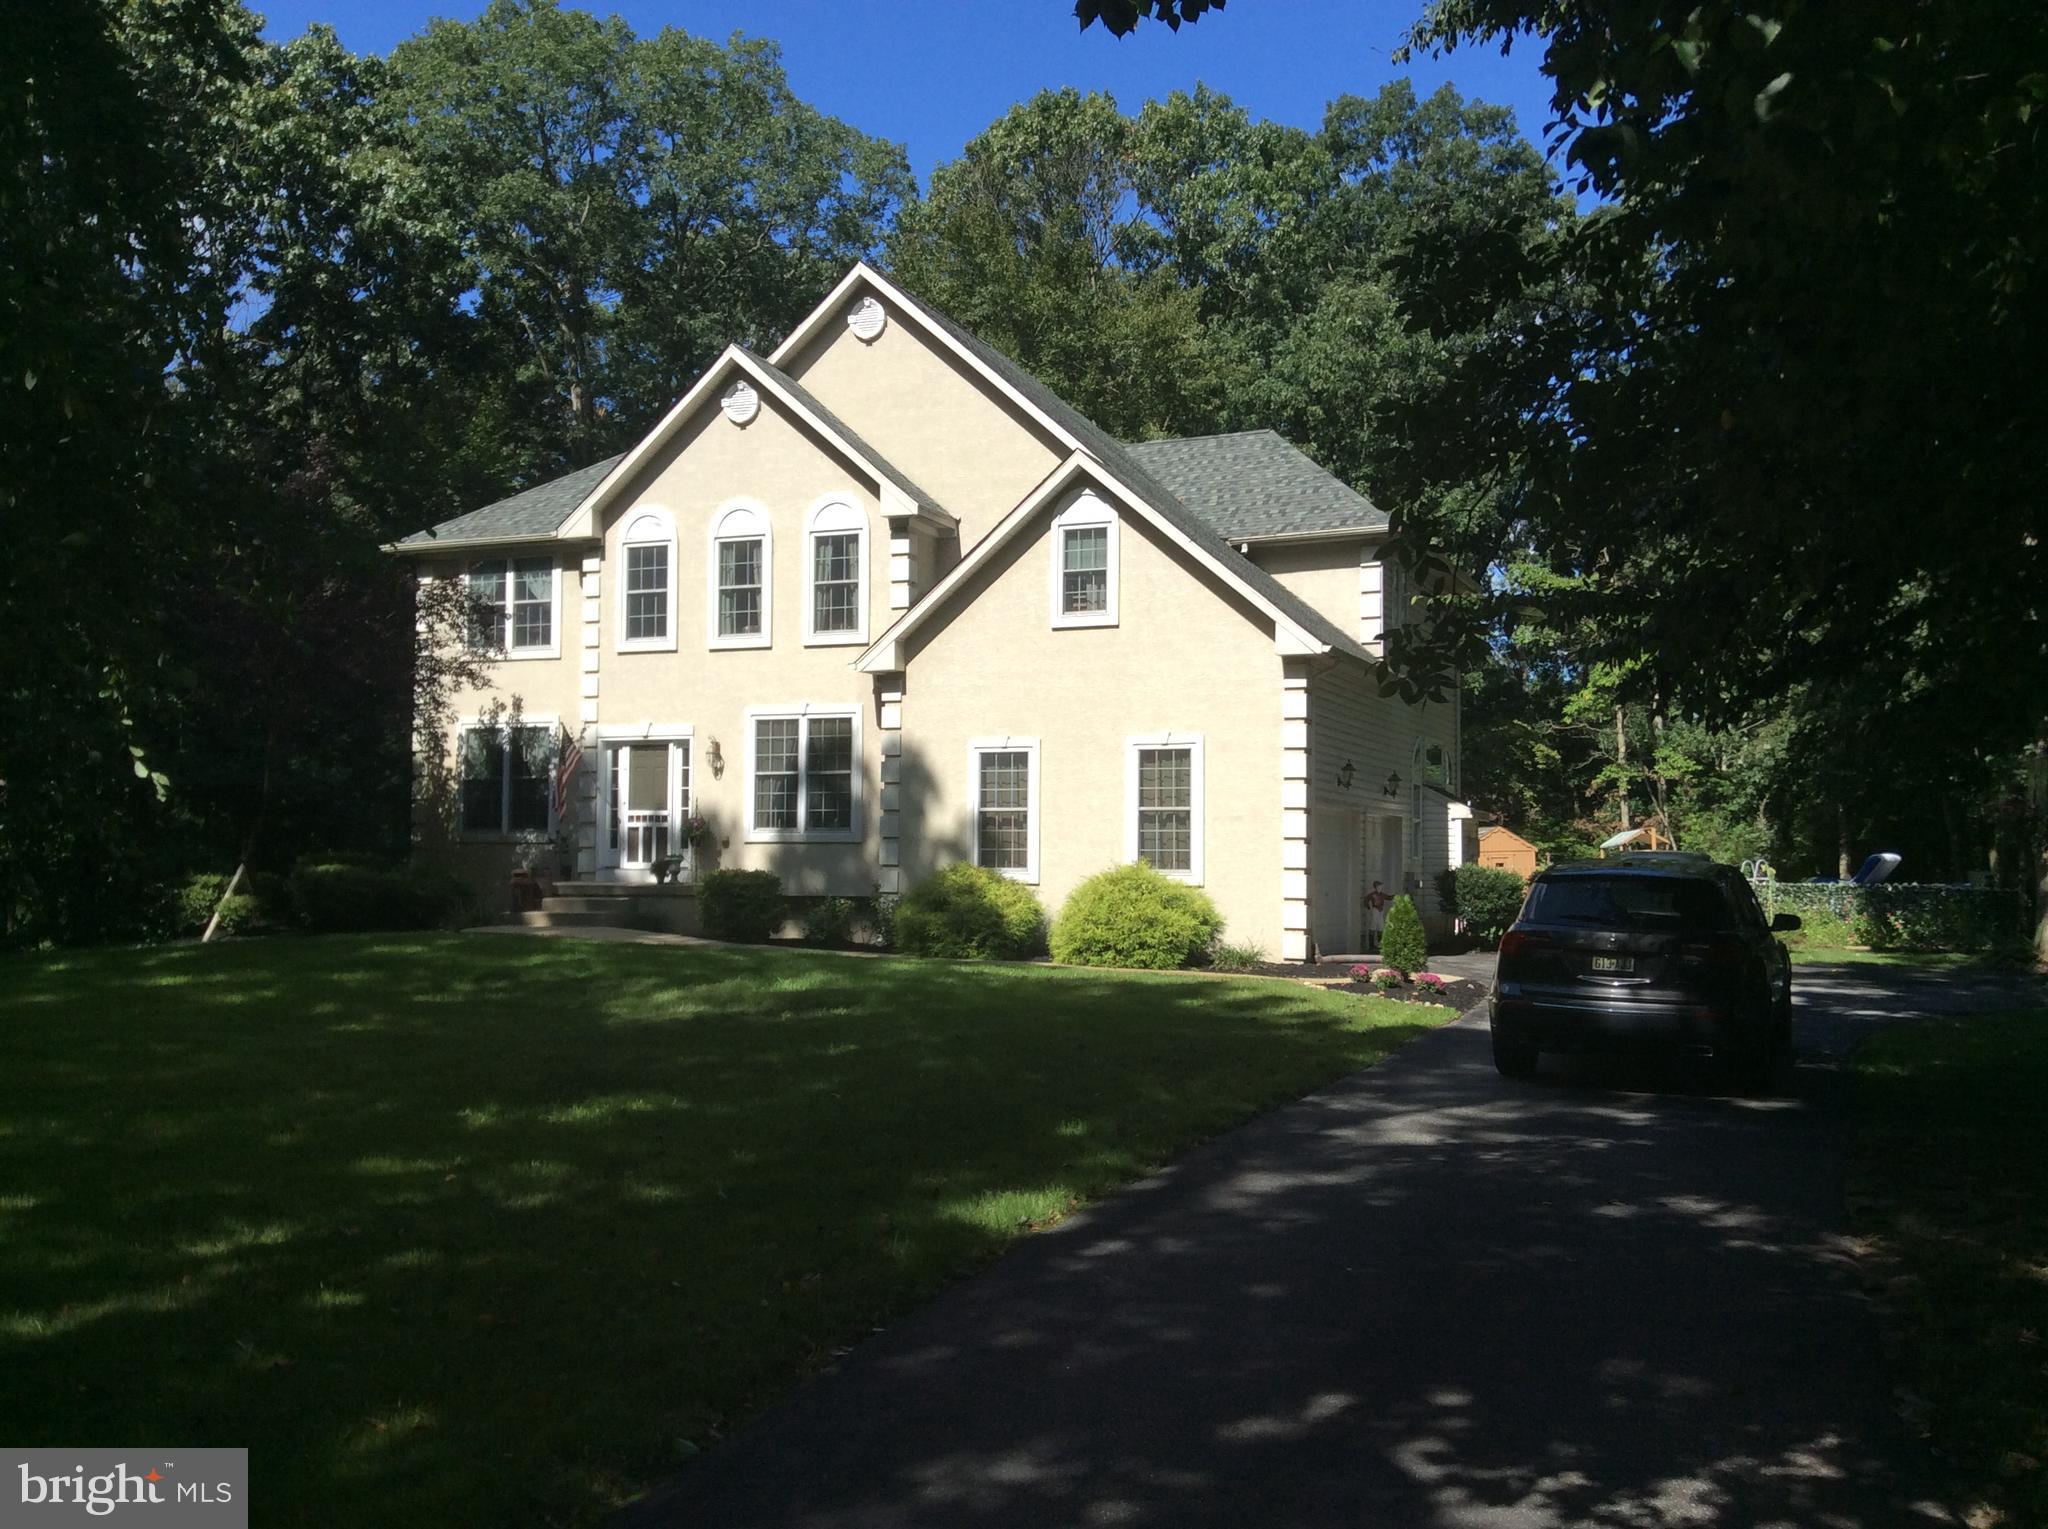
(746,906)
(829,920)
(878,912)
(1447,890)
(1403,945)
(1134,916)
(1906,916)
(967,913)
(1489,897)
(339,895)
(1246,957)
(194,900)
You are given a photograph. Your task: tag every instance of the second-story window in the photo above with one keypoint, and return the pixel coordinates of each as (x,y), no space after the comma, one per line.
(514,609)
(647,582)
(742,570)
(836,604)
(1084,564)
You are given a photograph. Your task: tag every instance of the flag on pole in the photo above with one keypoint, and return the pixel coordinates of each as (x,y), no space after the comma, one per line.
(568,760)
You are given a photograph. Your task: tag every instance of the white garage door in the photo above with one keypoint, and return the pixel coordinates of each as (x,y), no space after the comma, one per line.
(1333,852)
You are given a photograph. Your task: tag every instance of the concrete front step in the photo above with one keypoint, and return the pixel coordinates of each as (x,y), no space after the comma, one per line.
(576,918)
(611,907)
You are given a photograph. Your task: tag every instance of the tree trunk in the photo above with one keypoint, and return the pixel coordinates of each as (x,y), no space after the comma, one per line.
(1621,764)
(2037,801)
(1841,841)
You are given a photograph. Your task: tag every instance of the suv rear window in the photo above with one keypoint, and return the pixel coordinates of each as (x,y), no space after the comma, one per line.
(1629,902)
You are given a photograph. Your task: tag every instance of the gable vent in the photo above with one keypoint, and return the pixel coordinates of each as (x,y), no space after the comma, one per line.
(867,318)
(740,403)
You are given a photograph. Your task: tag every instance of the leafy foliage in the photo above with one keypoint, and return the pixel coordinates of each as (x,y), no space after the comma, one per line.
(1123,16)
(1238,956)
(829,920)
(1489,899)
(1133,915)
(746,906)
(346,894)
(969,913)
(1403,945)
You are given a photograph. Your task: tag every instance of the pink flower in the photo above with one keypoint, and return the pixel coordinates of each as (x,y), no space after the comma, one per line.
(1360,972)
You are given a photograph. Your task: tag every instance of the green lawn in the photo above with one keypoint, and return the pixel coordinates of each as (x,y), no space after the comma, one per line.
(1951,1180)
(478,1229)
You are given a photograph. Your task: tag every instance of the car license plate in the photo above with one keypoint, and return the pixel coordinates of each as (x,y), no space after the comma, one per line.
(1614,963)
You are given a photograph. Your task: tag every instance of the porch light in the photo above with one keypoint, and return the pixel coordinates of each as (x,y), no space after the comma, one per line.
(715,759)
(1345,772)
(1393,785)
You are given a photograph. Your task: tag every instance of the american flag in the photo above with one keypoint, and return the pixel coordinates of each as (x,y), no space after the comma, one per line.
(568,760)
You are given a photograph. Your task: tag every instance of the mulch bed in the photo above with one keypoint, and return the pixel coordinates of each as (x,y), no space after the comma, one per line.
(1459,992)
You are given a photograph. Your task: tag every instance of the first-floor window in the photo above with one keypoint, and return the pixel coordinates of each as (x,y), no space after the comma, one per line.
(803,778)
(1165,806)
(1003,793)
(506,779)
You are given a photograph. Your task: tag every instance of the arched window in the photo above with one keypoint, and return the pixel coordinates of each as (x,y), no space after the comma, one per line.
(836,572)
(739,569)
(1084,564)
(647,582)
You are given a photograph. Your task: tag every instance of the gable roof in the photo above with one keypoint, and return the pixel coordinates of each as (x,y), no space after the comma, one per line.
(1298,629)
(1082,434)
(530,515)
(566,508)
(1255,484)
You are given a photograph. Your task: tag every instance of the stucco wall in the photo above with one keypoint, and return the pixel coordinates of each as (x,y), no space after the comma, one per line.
(1181,659)
(1325,574)
(912,401)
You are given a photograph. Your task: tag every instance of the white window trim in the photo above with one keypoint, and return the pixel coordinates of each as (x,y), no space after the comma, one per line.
(505,652)
(976,747)
(858,636)
(803,711)
(762,532)
(1086,510)
(464,726)
(667,524)
(1193,743)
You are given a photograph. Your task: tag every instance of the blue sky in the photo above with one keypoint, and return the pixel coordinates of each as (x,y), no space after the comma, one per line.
(930,74)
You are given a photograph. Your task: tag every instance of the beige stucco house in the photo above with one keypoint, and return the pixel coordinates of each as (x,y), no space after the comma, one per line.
(882,601)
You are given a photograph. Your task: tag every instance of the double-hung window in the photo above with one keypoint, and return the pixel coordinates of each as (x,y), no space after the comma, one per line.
(836,593)
(741,594)
(1002,791)
(647,583)
(506,778)
(1084,564)
(512,608)
(803,774)
(1163,803)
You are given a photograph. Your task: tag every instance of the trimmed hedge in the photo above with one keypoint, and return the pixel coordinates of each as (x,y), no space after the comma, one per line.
(346,895)
(829,920)
(1910,917)
(1134,916)
(967,913)
(1488,899)
(1403,945)
(747,906)
(194,900)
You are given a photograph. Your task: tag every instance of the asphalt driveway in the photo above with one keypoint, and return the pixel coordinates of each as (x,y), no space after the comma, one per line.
(1426,1296)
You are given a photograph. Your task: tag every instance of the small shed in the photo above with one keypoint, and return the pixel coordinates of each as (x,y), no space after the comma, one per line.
(1508,850)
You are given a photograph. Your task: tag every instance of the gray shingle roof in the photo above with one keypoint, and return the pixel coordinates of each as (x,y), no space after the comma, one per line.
(1257,483)
(1124,464)
(533,512)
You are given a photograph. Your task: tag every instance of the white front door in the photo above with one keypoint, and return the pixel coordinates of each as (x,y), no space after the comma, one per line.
(646,798)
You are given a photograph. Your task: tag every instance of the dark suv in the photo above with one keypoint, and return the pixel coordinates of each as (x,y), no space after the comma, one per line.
(1670,950)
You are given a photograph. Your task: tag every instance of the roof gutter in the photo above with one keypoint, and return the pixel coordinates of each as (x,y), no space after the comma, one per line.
(1342,534)
(438,544)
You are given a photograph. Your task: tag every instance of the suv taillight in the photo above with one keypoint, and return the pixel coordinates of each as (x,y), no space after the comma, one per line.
(1516,942)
